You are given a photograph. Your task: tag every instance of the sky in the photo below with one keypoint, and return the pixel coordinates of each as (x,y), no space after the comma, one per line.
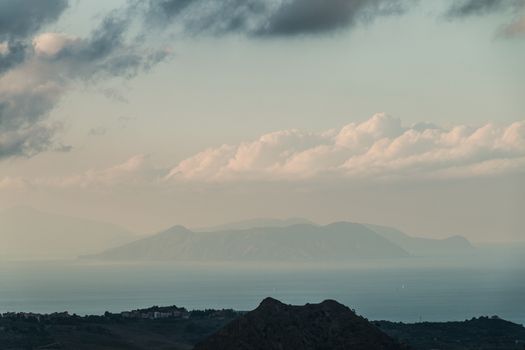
(149,114)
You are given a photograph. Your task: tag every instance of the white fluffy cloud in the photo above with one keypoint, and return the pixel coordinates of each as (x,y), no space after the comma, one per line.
(380,147)
(50,44)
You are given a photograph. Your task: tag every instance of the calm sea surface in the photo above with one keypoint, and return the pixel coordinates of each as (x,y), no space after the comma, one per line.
(409,291)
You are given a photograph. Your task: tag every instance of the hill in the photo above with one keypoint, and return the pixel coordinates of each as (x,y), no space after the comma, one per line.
(303,242)
(477,333)
(424,246)
(274,325)
(30,233)
(254,223)
(417,246)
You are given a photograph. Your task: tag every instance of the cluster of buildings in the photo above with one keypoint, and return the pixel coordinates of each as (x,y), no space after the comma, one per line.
(156,312)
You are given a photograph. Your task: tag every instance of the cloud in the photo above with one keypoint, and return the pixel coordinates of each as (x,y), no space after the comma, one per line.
(514,29)
(104,54)
(287,18)
(469,8)
(54,62)
(466,8)
(27,141)
(50,44)
(20,19)
(378,148)
(26,96)
(136,170)
(11,54)
(97,131)
(267,18)
(10,183)
(312,16)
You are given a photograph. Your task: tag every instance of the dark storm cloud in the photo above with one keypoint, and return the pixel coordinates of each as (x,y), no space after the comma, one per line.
(28,141)
(23,109)
(286,18)
(21,113)
(315,16)
(466,8)
(22,18)
(166,10)
(105,53)
(15,54)
(20,132)
(266,18)
(205,16)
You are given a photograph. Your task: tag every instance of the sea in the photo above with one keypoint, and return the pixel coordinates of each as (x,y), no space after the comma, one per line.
(406,290)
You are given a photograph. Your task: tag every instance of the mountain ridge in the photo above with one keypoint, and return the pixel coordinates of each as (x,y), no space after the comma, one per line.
(255,223)
(424,246)
(299,242)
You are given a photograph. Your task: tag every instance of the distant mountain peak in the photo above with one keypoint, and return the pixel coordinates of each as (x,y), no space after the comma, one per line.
(270,302)
(177,229)
(342,224)
(331,302)
(257,223)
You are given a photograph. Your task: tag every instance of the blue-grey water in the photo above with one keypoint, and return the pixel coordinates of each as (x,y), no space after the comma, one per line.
(407,291)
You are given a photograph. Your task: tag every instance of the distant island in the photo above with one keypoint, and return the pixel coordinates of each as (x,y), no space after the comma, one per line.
(32,234)
(286,241)
(272,325)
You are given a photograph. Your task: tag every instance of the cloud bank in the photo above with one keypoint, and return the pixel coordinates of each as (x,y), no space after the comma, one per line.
(466,8)
(288,18)
(378,148)
(471,8)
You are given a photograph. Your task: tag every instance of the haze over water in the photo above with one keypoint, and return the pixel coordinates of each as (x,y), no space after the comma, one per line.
(409,290)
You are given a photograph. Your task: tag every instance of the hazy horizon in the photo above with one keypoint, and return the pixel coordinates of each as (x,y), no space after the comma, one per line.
(243,223)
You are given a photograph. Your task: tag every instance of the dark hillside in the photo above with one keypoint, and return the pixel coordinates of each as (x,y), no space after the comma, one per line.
(274,325)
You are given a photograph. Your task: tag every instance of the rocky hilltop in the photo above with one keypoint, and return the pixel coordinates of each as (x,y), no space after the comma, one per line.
(274,325)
